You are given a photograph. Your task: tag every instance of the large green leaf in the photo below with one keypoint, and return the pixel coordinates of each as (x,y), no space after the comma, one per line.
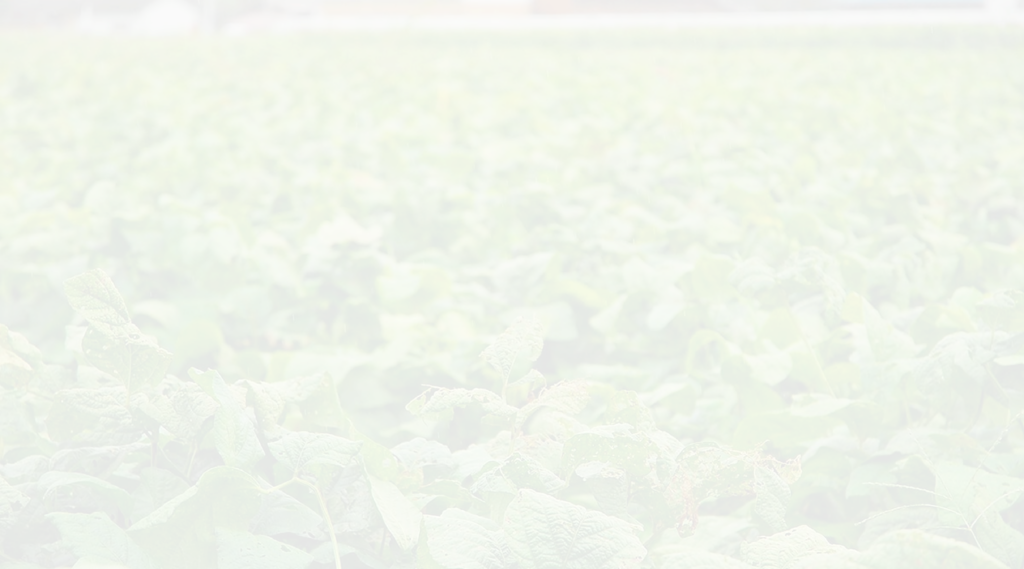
(547,533)
(183,531)
(786,549)
(401,517)
(11,503)
(74,490)
(456,541)
(243,550)
(98,415)
(95,297)
(95,538)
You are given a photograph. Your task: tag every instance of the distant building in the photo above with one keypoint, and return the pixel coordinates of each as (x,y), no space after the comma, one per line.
(41,13)
(143,17)
(428,7)
(140,17)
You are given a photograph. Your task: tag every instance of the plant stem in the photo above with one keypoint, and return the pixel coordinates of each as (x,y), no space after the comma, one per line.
(192,460)
(380,551)
(906,405)
(807,344)
(977,412)
(327,518)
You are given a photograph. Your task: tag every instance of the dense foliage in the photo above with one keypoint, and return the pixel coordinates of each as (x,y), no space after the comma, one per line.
(623,300)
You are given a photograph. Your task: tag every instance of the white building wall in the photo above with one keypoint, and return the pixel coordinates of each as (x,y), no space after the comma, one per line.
(160,17)
(163,17)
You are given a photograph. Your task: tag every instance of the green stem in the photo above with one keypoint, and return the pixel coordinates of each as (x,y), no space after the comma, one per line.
(323,510)
(906,406)
(380,551)
(194,450)
(807,344)
(977,412)
(512,441)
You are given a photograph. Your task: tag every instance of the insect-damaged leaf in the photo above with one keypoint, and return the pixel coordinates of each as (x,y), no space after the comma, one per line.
(127,354)
(234,432)
(772,499)
(439,402)
(181,407)
(568,397)
(547,533)
(94,296)
(112,343)
(97,415)
(521,343)
(298,450)
(619,445)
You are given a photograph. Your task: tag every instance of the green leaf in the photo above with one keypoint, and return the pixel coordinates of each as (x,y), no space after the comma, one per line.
(77,490)
(198,339)
(567,397)
(518,471)
(626,407)
(401,517)
(234,433)
(916,548)
(772,498)
(112,343)
(12,501)
(243,550)
(710,277)
(182,532)
(461,543)
(615,444)
(863,418)
(283,514)
(439,402)
(96,415)
(521,343)
(609,484)
(298,450)
(94,296)
(785,549)
(979,496)
(314,395)
(708,471)
(1003,310)
(547,533)
(697,559)
(15,372)
(420,452)
(127,354)
(94,537)
(156,487)
(784,429)
(181,407)
(557,319)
